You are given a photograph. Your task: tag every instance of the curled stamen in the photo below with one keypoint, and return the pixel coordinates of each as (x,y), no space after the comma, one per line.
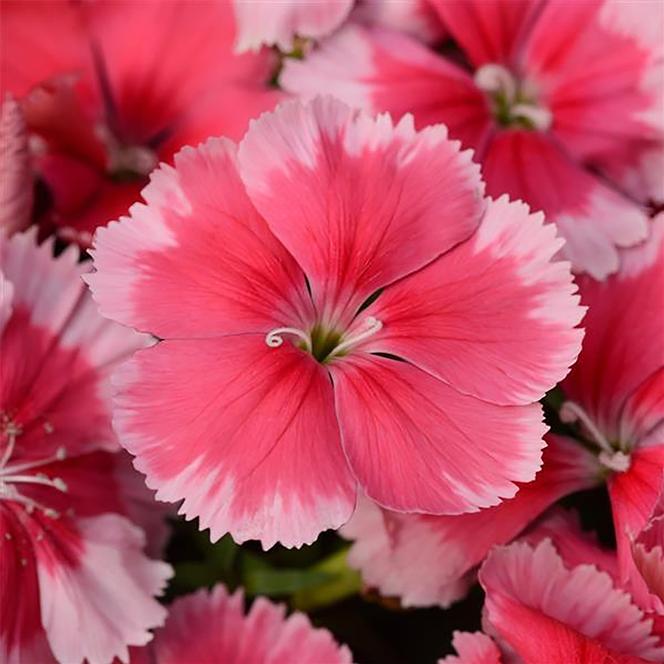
(274,338)
(496,78)
(539,117)
(54,483)
(372,325)
(571,412)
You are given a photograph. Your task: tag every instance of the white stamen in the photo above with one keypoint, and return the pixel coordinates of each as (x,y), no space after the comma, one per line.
(496,78)
(274,338)
(55,483)
(571,412)
(540,117)
(371,324)
(60,455)
(618,461)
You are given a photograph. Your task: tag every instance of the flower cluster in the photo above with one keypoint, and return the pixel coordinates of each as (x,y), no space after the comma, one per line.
(393,269)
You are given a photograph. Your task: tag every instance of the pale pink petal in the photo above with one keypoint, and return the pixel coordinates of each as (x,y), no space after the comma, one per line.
(623,312)
(508,347)
(427,560)
(211,627)
(382,70)
(489,31)
(278,23)
(417,445)
(594,220)
(473,648)
(534,603)
(96,589)
(197,260)
(16,175)
(648,551)
(388,183)
(601,78)
(574,545)
(417,18)
(252,447)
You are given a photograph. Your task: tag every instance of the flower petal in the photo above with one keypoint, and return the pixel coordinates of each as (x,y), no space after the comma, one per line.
(489,31)
(208,627)
(494,317)
(417,445)
(648,551)
(97,588)
(252,446)
(342,190)
(616,364)
(533,602)
(16,193)
(197,260)
(594,220)
(279,23)
(430,560)
(383,70)
(473,648)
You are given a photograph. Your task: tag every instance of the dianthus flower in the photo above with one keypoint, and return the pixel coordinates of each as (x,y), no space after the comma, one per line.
(339,306)
(209,627)
(110,88)
(75,581)
(556,99)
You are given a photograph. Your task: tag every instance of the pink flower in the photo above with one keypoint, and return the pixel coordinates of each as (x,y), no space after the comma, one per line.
(542,610)
(432,560)
(110,88)
(15,169)
(263,22)
(473,648)
(76,583)
(278,387)
(615,394)
(281,24)
(210,627)
(546,93)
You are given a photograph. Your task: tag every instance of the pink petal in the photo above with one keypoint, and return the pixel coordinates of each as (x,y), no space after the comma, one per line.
(252,447)
(634,495)
(381,70)
(209,627)
(623,311)
(648,551)
(279,23)
(508,347)
(489,31)
(426,560)
(22,638)
(15,169)
(574,546)
(417,19)
(533,602)
(195,87)
(417,445)
(594,220)
(601,80)
(473,648)
(57,352)
(341,190)
(197,260)
(96,589)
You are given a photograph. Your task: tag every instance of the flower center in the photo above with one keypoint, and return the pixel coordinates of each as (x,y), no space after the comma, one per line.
(15,474)
(126,162)
(513,103)
(322,343)
(610,456)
